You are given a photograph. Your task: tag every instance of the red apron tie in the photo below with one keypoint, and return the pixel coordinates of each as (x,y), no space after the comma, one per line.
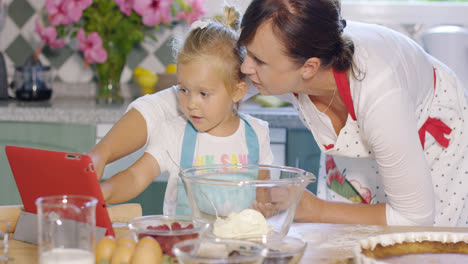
(437,129)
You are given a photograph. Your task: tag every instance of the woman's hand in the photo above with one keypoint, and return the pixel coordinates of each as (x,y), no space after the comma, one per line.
(273,199)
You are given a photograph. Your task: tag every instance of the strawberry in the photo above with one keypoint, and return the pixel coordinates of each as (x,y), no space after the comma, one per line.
(159,227)
(176,226)
(190,226)
(166,242)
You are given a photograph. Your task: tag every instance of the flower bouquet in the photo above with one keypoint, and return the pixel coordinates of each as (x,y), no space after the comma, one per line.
(107,30)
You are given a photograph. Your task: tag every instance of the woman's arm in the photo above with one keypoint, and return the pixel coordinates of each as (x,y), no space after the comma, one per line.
(391,130)
(129,183)
(313,209)
(126,136)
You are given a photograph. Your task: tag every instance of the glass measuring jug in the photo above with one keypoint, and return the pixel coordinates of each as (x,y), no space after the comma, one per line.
(66,229)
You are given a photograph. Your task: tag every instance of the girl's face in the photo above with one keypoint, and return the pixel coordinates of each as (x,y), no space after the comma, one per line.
(204,98)
(267,67)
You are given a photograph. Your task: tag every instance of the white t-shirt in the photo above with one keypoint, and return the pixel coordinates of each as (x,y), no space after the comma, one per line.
(166,133)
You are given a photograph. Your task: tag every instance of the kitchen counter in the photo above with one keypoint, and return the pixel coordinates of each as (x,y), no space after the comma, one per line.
(76,104)
(76,110)
(326,243)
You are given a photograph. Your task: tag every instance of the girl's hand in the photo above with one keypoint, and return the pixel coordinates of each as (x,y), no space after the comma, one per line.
(98,163)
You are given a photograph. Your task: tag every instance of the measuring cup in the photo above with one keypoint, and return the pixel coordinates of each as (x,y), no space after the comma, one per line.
(66,229)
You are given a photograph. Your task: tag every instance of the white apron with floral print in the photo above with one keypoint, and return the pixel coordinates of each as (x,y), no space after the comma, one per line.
(349,172)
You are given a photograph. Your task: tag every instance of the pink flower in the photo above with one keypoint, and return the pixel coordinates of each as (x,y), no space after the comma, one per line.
(57,13)
(125,6)
(194,13)
(91,47)
(81,4)
(153,11)
(49,36)
(74,8)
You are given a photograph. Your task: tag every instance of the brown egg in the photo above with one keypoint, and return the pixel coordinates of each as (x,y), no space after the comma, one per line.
(126,240)
(122,254)
(146,254)
(151,242)
(104,248)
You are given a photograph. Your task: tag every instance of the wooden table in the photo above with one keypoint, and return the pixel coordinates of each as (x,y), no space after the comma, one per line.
(327,243)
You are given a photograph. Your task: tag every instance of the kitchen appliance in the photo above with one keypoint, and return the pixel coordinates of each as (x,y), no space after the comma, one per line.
(3,78)
(449,44)
(33,81)
(3,72)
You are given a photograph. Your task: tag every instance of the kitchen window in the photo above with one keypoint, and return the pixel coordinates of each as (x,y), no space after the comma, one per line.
(407,11)
(411,17)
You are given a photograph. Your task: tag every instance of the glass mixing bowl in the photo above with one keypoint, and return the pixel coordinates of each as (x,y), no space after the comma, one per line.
(288,250)
(245,201)
(219,251)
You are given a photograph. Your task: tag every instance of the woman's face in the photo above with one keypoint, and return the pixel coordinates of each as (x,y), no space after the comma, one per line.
(266,65)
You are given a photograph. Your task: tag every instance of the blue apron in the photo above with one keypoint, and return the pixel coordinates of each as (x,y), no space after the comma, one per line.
(186,159)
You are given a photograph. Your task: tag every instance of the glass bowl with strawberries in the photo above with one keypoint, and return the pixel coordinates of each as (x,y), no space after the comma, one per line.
(168,230)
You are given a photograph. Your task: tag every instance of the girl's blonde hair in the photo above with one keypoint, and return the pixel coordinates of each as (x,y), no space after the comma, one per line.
(216,43)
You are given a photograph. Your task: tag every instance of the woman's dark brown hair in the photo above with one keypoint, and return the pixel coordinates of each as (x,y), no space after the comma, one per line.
(306,28)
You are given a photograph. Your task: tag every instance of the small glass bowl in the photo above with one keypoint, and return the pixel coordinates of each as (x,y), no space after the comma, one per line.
(217,250)
(288,250)
(167,230)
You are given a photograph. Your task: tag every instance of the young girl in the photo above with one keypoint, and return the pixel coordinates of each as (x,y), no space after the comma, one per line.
(200,124)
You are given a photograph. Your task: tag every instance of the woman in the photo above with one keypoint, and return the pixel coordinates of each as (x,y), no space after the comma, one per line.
(388,117)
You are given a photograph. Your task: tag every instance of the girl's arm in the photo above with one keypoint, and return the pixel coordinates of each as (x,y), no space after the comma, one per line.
(126,136)
(127,184)
(130,132)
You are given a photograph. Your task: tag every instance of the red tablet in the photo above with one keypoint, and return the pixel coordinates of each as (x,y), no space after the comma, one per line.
(40,172)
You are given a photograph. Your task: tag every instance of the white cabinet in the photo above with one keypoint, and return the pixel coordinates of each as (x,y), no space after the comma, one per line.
(278,145)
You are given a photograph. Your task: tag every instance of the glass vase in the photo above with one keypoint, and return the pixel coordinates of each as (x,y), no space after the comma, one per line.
(108,75)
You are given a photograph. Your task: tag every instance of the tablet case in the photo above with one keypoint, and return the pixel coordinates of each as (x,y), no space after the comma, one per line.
(40,172)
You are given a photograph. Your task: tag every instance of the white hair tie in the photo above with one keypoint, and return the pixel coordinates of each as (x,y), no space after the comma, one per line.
(199,24)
